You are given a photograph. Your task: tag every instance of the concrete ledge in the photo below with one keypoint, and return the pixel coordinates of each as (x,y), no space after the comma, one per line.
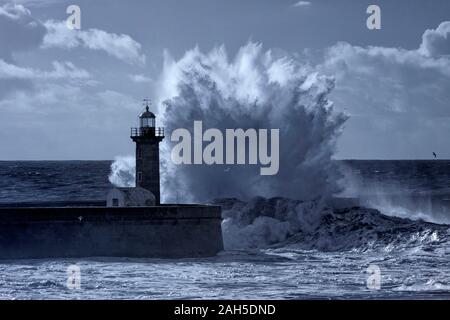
(168,231)
(20,214)
(53,204)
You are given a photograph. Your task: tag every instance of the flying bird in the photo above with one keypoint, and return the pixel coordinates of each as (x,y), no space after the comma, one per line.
(435,155)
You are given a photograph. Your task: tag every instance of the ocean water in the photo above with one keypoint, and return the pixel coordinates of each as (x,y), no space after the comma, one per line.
(403,228)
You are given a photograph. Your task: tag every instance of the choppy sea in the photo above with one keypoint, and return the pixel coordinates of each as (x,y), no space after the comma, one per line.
(402,228)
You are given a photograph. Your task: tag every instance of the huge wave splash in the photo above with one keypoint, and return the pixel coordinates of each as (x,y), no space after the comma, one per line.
(256,89)
(260,89)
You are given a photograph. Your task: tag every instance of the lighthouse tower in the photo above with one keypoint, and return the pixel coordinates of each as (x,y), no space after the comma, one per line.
(147,138)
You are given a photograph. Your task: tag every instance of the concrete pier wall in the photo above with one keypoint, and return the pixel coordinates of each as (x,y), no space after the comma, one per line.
(166,231)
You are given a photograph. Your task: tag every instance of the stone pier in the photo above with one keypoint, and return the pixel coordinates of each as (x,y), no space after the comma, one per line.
(165,231)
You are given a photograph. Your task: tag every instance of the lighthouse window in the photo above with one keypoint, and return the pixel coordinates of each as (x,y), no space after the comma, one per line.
(147,122)
(115,202)
(139,176)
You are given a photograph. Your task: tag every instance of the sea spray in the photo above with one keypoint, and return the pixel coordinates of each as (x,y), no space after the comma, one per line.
(397,196)
(257,90)
(262,222)
(123,171)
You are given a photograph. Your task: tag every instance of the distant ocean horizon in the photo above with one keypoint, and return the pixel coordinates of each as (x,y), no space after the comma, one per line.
(69,179)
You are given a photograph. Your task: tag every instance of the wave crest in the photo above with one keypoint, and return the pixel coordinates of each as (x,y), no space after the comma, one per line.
(294,224)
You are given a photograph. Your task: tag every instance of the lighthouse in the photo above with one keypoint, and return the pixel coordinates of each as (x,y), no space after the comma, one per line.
(130,223)
(147,138)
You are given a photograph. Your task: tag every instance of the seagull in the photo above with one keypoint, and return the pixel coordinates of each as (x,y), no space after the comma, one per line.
(435,155)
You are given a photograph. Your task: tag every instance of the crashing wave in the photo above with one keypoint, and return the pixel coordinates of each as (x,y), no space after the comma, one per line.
(256,89)
(308,225)
(123,172)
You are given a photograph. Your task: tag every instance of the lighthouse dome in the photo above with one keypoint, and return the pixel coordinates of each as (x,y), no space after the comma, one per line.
(147,114)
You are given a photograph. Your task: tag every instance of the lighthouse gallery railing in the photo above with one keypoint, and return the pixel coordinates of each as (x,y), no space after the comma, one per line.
(147,131)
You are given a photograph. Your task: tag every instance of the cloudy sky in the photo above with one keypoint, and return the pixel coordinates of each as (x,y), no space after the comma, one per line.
(68,94)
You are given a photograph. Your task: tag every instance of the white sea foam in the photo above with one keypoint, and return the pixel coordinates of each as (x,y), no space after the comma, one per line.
(123,171)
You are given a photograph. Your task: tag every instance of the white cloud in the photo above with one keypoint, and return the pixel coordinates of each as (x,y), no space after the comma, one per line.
(302,4)
(60,70)
(139,78)
(14,11)
(121,46)
(20,31)
(35,3)
(436,42)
